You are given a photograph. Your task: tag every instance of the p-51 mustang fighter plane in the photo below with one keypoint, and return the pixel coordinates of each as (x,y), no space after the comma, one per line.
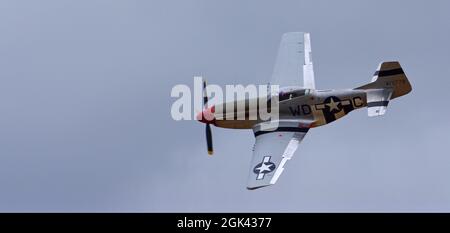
(302,107)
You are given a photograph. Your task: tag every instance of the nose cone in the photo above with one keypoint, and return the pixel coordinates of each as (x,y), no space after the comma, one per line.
(207,116)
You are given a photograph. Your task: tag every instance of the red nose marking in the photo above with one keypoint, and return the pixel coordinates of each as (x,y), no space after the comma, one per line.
(207,116)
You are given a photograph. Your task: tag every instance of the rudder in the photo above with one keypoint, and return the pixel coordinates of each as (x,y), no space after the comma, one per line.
(388,82)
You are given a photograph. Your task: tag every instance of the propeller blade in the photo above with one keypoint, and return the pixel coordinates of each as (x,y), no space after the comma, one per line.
(209,142)
(205,95)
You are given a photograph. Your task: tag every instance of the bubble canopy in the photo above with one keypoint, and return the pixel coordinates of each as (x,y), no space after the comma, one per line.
(289,93)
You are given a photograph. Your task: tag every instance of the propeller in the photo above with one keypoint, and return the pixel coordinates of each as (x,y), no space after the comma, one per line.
(209,142)
(209,139)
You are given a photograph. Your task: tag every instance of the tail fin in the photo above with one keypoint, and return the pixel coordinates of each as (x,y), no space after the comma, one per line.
(388,82)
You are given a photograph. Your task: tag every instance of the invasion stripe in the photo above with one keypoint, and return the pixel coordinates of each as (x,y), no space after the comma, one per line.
(377,103)
(283,129)
(383,73)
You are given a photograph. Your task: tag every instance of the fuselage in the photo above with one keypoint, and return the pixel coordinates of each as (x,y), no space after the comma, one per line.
(314,107)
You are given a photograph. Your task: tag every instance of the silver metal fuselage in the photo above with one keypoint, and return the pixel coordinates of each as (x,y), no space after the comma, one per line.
(315,108)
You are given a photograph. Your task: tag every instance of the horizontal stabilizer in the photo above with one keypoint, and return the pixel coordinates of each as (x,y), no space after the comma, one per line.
(377,101)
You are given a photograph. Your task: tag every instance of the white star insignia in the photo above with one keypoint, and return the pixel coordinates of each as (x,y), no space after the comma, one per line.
(264,167)
(333,105)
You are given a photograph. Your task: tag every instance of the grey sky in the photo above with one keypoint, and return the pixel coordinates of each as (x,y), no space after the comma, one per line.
(85,105)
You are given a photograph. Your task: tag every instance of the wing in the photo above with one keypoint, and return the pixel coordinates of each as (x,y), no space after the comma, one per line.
(271,152)
(294,61)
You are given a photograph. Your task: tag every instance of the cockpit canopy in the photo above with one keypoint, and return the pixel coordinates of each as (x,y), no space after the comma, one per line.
(289,94)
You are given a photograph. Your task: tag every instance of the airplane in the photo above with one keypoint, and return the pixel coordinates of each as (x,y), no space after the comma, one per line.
(302,107)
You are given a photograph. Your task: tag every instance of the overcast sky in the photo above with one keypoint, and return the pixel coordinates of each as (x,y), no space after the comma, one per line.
(85,104)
